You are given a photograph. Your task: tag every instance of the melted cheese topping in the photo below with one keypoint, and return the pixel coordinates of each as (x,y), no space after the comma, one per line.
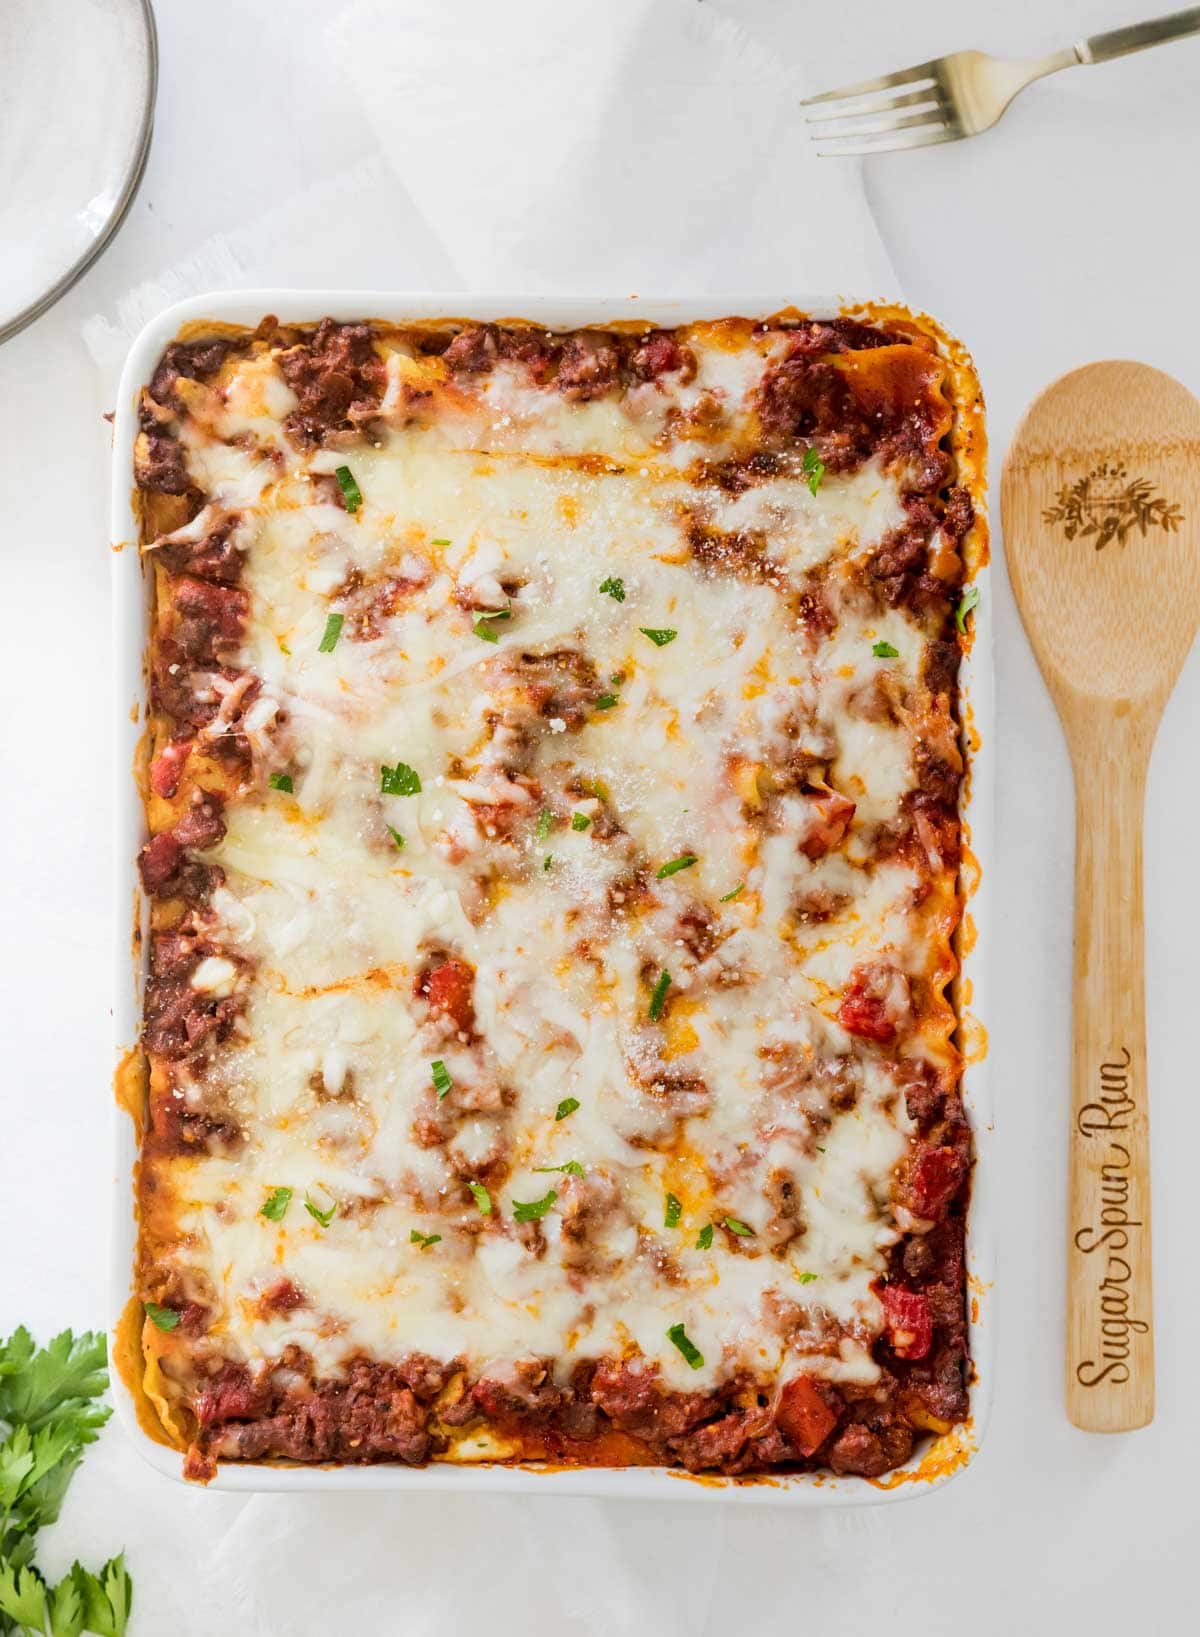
(746,1100)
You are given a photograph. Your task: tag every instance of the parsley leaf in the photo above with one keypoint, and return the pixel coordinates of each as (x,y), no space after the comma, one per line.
(580,821)
(351,493)
(814,469)
(531,1210)
(547,861)
(734,1226)
(806,1278)
(734,892)
(441,1077)
(275,1206)
(482,1198)
(673,1212)
(424,1239)
(687,1347)
(614,588)
(440,542)
(317,1214)
(281,781)
(572,1166)
(968,601)
(567,1106)
(396,836)
(482,627)
(333,630)
(659,638)
(165,1318)
(884,650)
(658,998)
(399,780)
(543,826)
(674,865)
(704,1237)
(607,701)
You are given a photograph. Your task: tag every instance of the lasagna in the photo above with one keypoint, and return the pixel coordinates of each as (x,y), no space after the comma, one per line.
(552,796)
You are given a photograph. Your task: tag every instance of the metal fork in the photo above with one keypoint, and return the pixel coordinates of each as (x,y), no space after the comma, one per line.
(962,94)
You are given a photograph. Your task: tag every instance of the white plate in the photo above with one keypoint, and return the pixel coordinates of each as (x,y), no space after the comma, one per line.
(130,598)
(77,84)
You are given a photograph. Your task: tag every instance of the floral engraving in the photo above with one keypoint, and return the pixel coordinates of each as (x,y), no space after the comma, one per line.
(1108,504)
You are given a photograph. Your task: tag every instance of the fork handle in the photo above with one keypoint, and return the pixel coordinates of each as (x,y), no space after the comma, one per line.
(1101,48)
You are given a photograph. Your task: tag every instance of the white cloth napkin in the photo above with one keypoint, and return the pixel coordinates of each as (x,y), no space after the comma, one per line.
(637,147)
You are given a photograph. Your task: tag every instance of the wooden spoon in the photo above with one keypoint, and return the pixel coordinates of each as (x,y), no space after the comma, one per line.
(1101,505)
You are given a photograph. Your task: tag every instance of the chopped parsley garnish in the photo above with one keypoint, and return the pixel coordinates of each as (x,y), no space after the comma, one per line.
(441,1077)
(734,892)
(416,1237)
(968,601)
(547,861)
(687,1347)
(317,1214)
(734,1226)
(545,821)
(281,781)
(439,542)
(580,821)
(482,627)
(659,638)
(567,1106)
(275,1206)
(607,701)
(165,1318)
(884,650)
(674,865)
(814,469)
(399,780)
(573,1167)
(614,588)
(531,1210)
(395,835)
(283,647)
(673,1212)
(333,630)
(658,998)
(351,493)
(806,1278)
(482,1198)
(704,1237)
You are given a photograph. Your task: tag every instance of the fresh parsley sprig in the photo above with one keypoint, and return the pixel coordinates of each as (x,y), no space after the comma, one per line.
(49,1413)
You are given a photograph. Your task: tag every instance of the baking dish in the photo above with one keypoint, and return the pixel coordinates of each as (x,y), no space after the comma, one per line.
(933,1464)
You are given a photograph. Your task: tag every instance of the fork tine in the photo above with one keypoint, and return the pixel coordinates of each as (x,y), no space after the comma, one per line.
(931,94)
(924,137)
(934,119)
(885,82)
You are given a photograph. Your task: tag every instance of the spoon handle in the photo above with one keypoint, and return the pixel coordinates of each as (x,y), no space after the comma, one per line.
(1110,1336)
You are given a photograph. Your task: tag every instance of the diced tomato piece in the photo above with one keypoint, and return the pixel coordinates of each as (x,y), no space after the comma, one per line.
(868,1005)
(167,767)
(829,819)
(448,991)
(909,1322)
(804,1416)
(866,1015)
(158,861)
(935,1179)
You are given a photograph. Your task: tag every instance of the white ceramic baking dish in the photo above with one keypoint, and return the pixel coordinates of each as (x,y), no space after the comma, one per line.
(932,1465)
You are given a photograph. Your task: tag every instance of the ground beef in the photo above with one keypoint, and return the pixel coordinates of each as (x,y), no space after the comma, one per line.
(589,367)
(369,1414)
(159,463)
(190,360)
(338,378)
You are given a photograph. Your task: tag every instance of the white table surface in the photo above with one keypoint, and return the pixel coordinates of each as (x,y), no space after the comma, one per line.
(1070,234)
